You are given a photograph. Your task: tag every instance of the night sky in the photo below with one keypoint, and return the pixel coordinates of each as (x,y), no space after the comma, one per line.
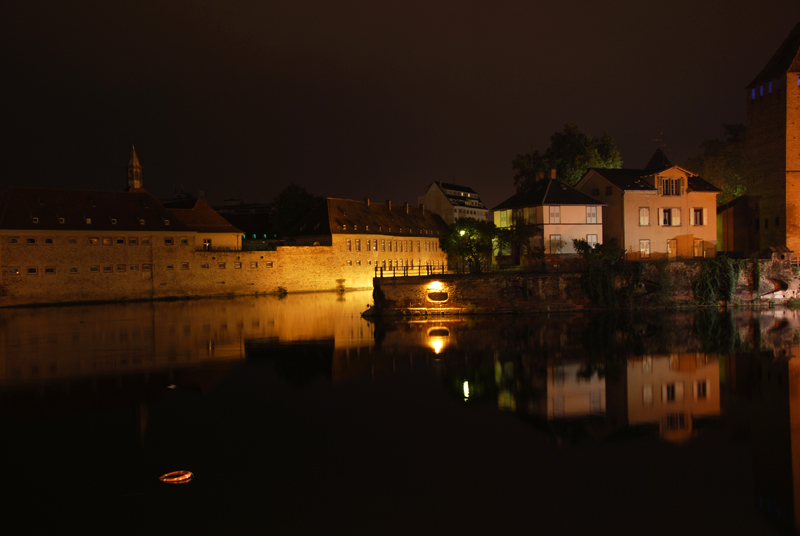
(360,99)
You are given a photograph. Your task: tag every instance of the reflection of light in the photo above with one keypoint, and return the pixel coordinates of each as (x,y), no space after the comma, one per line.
(436,285)
(176,477)
(437,343)
(466,389)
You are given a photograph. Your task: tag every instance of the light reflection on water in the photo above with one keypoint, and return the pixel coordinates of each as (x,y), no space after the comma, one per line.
(300,401)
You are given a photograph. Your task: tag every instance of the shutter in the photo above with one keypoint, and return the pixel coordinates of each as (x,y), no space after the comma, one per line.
(705,216)
(658,184)
(676,216)
(691,216)
(660,216)
(683,186)
(678,391)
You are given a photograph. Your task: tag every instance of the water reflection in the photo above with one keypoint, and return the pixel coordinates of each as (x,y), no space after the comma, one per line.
(283,391)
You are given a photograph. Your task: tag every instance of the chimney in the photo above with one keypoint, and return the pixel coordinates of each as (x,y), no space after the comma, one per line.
(406,208)
(389,204)
(552,173)
(539,175)
(367,200)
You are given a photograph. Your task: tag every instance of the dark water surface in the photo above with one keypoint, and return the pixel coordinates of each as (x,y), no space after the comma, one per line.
(298,416)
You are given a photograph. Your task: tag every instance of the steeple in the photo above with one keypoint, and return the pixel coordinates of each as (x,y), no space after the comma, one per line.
(134,170)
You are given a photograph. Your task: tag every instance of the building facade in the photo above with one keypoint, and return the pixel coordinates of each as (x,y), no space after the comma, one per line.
(560,213)
(773,147)
(451,201)
(661,212)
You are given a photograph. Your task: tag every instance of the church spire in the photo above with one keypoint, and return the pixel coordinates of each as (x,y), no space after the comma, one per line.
(134,170)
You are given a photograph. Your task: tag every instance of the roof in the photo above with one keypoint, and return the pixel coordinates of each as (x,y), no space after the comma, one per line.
(548,192)
(782,61)
(107,211)
(347,216)
(642,179)
(450,186)
(200,217)
(459,200)
(658,161)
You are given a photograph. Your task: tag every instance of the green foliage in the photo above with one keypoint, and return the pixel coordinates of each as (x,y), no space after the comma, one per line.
(793,304)
(599,255)
(599,281)
(723,162)
(571,153)
(291,205)
(515,236)
(469,240)
(717,281)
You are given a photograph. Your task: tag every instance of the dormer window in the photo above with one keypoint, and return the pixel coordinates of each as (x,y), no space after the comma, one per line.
(344,227)
(88,221)
(366,227)
(166,222)
(141,221)
(35,219)
(355,227)
(113,221)
(61,221)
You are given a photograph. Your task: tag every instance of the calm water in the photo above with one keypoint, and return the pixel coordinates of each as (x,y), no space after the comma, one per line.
(298,416)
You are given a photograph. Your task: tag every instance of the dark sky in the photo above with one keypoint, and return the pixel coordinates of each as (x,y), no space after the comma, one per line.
(360,99)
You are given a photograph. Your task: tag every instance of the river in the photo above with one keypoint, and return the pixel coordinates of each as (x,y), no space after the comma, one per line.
(297,415)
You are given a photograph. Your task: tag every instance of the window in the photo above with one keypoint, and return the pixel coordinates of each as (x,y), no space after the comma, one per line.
(94,269)
(134,267)
(121,267)
(349,263)
(591,239)
(644,216)
(32,270)
(133,241)
(113,221)
(61,220)
(358,245)
(671,186)
(672,392)
(699,216)
(221,265)
(207,244)
(369,245)
(644,249)
(145,241)
(49,269)
(166,222)
(13,240)
(30,240)
(184,266)
(120,241)
(390,245)
(141,221)
(670,217)
(647,365)
(358,263)
(609,190)
(555,243)
(675,421)
(253,264)
(147,267)
(168,241)
(72,240)
(591,214)
(269,264)
(107,241)
(35,219)
(697,247)
(236,265)
(701,390)
(349,247)
(184,241)
(383,245)
(88,221)
(204,266)
(108,269)
(555,214)
(375,245)
(13,271)
(94,241)
(73,270)
(418,247)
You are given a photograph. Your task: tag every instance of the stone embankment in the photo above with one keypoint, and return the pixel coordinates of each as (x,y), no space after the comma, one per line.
(663,284)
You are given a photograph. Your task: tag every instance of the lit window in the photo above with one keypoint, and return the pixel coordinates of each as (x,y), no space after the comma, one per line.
(253,264)
(753,92)
(94,241)
(13,271)
(269,264)
(237,265)
(107,241)
(141,221)
(591,214)
(166,222)
(88,221)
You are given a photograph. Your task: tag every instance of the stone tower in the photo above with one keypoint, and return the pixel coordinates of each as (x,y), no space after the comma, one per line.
(773,147)
(134,171)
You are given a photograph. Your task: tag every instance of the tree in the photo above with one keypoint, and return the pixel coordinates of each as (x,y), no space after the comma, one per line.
(469,240)
(723,162)
(291,205)
(571,153)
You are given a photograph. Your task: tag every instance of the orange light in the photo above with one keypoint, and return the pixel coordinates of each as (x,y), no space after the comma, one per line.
(176,477)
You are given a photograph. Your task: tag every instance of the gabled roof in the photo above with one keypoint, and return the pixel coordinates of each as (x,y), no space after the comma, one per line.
(548,192)
(347,216)
(658,161)
(107,211)
(783,61)
(200,217)
(643,179)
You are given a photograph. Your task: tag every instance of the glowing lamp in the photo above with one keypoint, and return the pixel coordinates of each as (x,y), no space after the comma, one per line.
(435,285)
(463,233)
(176,477)
(466,390)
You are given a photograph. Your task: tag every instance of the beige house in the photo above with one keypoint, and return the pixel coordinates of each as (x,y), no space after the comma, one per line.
(659,212)
(560,212)
(451,201)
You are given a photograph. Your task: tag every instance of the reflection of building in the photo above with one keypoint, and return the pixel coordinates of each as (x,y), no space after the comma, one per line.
(670,391)
(451,201)
(660,212)
(568,392)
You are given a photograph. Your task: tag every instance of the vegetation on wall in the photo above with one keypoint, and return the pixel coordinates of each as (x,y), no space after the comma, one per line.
(717,280)
(600,280)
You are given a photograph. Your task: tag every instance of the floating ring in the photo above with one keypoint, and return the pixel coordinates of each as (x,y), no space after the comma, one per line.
(176,477)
